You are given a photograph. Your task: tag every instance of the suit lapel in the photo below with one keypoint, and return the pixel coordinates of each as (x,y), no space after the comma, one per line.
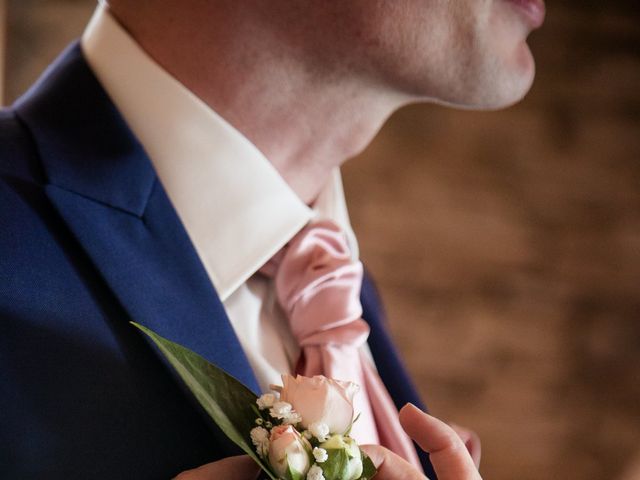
(104,187)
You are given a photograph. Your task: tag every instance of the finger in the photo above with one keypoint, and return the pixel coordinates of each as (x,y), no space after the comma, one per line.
(390,466)
(471,440)
(449,457)
(241,467)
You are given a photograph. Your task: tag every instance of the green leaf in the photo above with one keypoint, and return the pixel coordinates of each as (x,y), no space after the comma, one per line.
(227,401)
(335,466)
(369,470)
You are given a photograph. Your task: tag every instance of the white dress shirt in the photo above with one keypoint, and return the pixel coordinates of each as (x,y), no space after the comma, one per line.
(236,208)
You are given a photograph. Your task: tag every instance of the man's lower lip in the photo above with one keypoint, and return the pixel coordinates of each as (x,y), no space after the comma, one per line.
(533,9)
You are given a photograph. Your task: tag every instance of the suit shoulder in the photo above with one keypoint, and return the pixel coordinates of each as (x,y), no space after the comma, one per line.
(18,154)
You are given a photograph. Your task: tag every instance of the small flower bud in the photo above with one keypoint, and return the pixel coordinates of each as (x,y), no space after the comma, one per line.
(280,410)
(292,418)
(260,439)
(320,431)
(259,435)
(266,401)
(320,454)
(315,473)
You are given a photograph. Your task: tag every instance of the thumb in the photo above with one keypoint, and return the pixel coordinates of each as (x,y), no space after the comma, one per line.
(241,467)
(448,454)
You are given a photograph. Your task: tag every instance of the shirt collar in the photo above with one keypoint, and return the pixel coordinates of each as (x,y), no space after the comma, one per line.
(236,208)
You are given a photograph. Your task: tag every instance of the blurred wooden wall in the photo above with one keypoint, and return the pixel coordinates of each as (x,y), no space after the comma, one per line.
(506,244)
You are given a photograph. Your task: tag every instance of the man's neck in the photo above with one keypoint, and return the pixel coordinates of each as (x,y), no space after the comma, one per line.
(305,120)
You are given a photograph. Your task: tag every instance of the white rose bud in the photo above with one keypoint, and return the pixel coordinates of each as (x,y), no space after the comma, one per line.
(320,400)
(288,450)
(344,459)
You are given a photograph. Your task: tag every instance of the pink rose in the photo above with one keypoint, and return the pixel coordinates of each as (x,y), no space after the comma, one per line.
(320,400)
(288,450)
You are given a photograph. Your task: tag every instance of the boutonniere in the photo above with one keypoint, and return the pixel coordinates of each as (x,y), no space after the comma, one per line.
(299,431)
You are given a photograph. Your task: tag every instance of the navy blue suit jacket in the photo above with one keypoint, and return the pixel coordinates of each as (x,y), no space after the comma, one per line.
(88,242)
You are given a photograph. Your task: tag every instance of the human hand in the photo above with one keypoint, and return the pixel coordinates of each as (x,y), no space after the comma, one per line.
(449,455)
(241,467)
(471,440)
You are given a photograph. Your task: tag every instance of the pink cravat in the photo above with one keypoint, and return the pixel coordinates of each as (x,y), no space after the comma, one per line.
(318,287)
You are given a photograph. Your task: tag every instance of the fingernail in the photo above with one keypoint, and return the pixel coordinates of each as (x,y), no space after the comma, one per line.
(409,407)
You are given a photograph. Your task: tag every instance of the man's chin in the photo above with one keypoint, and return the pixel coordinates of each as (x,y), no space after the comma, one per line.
(492,99)
(502,91)
(519,81)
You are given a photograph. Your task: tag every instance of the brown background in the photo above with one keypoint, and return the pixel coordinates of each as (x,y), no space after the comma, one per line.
(506,244)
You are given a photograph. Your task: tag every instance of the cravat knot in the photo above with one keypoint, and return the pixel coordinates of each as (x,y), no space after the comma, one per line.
(318,286)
